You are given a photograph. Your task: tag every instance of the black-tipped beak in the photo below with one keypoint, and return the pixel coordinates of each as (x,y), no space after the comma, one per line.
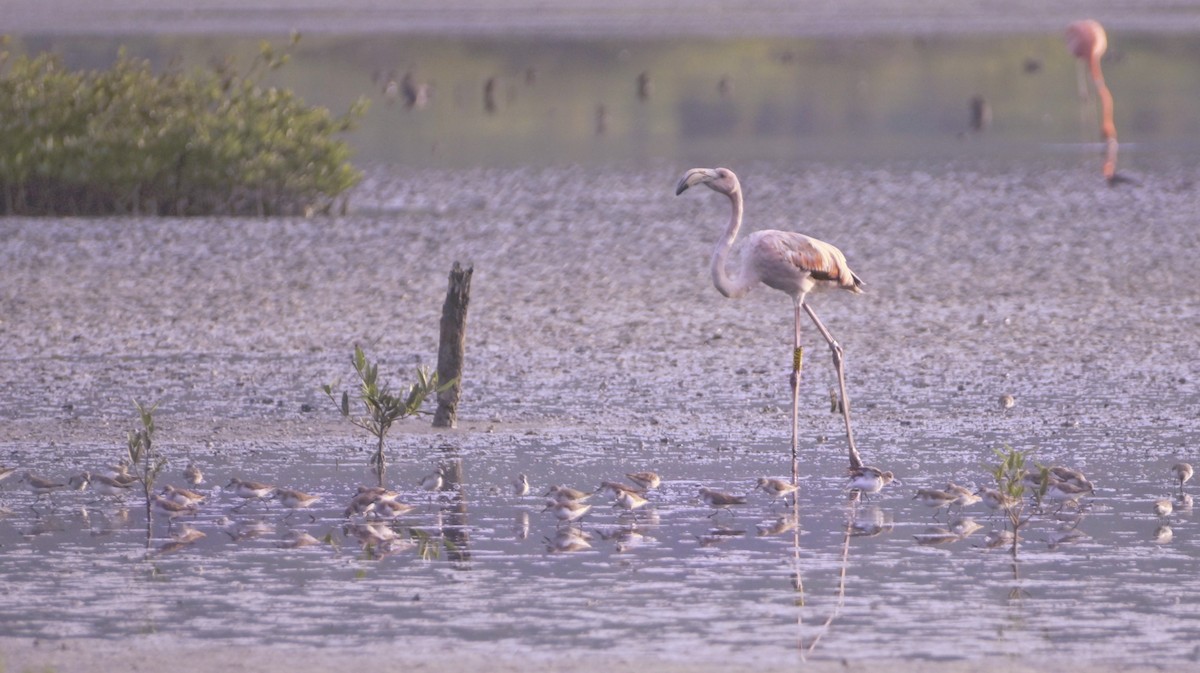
(694,177)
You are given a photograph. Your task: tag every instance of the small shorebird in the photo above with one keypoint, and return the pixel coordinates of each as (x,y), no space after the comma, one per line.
(249,490)
(1007,401)
(995,500)
(868,480)
(1163,508)
(193,475)
(363,501)
(645,480)
(566,511)
(170,509)
(390,508)
(997,538)
(181,495)
(776,488)
(80,481)
(963,496)
(934,498)
(295,500)
(1072,477)
(567,494)
(40,486)
(105,485)
(1181,472)
(295,539)
(1063,492)
(6,472)
(521,486)
(630,500)
(720,501)
(617,488)
(433,481)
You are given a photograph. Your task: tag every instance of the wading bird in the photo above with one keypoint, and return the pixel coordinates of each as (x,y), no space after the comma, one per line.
(1087,42)
(789,262)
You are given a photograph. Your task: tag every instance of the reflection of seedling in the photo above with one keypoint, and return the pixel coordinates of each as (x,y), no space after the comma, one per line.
(145,462)
(383,408)
(1008,475)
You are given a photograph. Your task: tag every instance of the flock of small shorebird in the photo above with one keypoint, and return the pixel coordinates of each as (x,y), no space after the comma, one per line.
(370,508)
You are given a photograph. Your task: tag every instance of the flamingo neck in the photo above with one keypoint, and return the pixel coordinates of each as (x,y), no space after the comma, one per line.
(736,286)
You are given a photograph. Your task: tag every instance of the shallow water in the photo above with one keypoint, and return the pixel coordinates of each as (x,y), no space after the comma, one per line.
(670,581)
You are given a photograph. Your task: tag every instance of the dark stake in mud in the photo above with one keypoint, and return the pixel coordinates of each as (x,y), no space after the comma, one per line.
(452,346)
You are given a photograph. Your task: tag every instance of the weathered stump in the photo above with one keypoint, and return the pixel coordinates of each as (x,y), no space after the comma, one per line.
(452,346)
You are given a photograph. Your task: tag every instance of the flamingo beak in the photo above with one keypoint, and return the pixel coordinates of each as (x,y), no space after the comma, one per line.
(695,177)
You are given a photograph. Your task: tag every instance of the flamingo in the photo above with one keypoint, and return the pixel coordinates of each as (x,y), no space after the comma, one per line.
(1087,42)
(789,262)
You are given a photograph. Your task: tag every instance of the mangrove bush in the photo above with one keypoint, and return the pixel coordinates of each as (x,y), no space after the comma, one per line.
(128,140)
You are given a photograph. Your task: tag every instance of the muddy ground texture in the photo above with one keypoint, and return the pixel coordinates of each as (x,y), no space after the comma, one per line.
(592,310)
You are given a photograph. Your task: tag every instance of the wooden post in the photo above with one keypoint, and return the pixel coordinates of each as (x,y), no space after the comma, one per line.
(452,345)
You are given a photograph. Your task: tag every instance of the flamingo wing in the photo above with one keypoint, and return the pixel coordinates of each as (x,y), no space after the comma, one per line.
(818,259)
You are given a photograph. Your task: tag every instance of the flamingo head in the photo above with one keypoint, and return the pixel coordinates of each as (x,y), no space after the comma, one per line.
(718,179)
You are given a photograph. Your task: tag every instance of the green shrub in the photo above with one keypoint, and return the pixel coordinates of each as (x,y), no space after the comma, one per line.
(129,140)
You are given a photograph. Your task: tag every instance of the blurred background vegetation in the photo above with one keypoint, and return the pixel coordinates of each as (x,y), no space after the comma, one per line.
(463,102)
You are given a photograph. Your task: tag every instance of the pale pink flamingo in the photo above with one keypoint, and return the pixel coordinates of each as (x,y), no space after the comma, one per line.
(1087,42)
(792,263)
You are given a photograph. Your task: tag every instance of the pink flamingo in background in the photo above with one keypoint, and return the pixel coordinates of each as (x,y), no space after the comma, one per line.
(792,263)
(1087,42)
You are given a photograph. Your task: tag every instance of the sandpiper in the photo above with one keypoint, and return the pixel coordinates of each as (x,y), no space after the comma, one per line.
(1073,477)
(630,500)
(249,490)
(363,501)
(432,481)
(521,486)
(79,481)
(934,498)
(617,488)
(390,508)
(963,496)
(170,509)
(1163,508)
(294,500)
(567,494)
(105,485)
(645,480)
(566,511)
(1064,492)
(1181,472)
(868,480)
(181,495)
(40,486)
(995,500)
(776,488)
(720,501)
(6,472)
(193,475)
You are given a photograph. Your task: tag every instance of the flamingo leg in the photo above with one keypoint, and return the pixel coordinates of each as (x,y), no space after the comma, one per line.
(797,365)
(836,348)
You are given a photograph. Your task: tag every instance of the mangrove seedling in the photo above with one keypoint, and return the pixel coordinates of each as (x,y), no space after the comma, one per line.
(145,462)
(1009,474)
(381,407)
